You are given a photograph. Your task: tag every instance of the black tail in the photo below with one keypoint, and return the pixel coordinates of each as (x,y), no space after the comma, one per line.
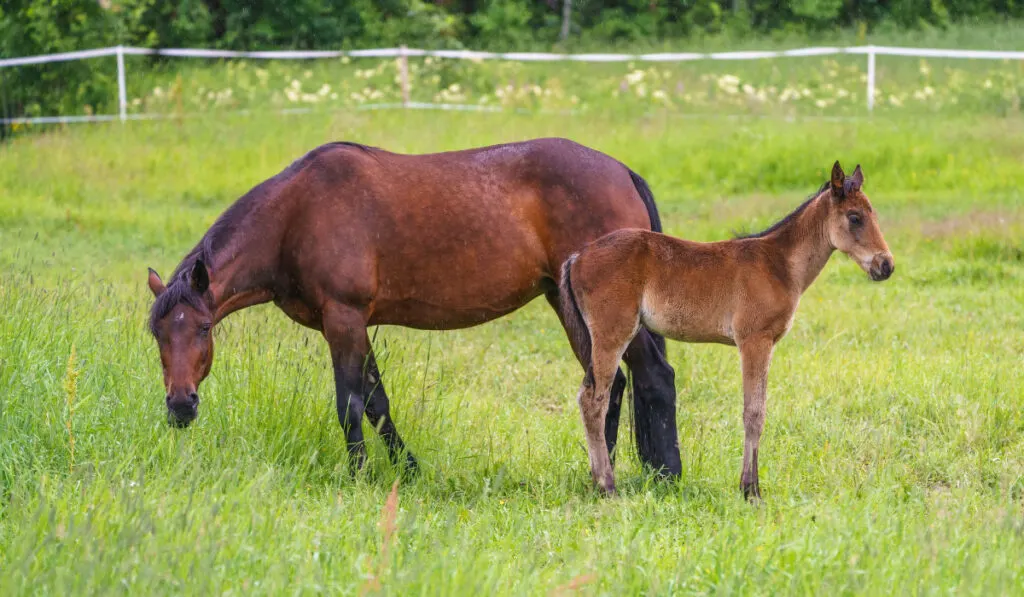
(648,198)
(644,420)
(572,317)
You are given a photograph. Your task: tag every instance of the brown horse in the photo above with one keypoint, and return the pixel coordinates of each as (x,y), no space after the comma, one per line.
(350,236)
(741,292)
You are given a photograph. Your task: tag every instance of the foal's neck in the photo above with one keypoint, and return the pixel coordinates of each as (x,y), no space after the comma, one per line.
(805,243)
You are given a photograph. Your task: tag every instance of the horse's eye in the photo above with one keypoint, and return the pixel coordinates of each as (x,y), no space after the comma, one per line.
(204,330)
(855,220)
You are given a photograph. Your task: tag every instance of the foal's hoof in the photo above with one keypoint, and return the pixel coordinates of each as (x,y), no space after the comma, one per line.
(751,492)
(606,487)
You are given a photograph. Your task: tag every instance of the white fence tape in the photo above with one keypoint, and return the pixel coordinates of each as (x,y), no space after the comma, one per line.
(121,51)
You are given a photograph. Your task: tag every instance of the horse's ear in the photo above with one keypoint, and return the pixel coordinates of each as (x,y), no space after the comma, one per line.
(838,177)
(199,278)
(156,285)
(857,178)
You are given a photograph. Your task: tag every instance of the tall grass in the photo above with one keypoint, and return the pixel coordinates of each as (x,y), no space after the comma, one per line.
(892,454)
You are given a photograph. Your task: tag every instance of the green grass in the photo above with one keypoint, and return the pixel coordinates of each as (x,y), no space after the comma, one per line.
(893,454)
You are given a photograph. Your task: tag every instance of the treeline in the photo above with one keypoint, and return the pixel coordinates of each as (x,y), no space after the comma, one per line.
(40,26)
(30,27)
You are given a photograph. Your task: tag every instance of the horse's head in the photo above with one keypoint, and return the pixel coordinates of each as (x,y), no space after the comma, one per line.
(181,321)
(853,225)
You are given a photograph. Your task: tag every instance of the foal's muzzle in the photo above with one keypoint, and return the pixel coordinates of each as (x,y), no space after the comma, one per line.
(182,410)
(882,266)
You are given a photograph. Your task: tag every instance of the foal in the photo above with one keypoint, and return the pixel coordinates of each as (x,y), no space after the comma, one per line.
(741,292)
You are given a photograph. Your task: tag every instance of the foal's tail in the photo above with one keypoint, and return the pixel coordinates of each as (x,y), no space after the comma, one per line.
(572,317)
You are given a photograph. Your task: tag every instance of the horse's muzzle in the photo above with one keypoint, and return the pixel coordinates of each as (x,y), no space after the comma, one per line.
(182,411)
(882,266)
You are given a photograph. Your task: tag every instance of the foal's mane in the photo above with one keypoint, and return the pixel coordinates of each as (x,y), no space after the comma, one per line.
(789,218)
(179,289)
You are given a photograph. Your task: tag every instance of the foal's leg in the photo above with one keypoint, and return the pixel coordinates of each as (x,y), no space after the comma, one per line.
(654,403)
(611,422)
(345,330)
(593,400)
(378,411)
(612,336)
(756,356)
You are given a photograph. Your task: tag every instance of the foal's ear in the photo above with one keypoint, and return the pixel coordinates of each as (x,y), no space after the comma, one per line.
(838,177)
(857,178)
(156,285)
(199,278)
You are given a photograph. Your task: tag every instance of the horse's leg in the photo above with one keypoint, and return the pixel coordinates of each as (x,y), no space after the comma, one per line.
(345,330)
(593,400)
(378,411)
(611,423)
(756,356)
(654,403)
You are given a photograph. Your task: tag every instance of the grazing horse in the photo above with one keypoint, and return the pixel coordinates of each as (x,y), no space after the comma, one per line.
(741,292)
(350,236)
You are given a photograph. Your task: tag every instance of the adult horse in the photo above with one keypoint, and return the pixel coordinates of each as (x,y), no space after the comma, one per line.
(350,236)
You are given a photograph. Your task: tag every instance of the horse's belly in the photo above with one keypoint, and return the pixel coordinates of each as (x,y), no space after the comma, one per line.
(456,298)
(682,319)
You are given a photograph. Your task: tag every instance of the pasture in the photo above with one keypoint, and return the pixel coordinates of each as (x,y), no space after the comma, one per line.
(892,460)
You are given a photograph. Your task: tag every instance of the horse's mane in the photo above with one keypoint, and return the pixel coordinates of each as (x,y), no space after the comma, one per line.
(179,290)
(789,218)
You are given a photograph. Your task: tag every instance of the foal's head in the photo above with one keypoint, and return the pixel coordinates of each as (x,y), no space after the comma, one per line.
(853,225)
(181,321)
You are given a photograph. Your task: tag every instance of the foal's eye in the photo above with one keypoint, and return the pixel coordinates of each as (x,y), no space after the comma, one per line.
(855,220)
(204,330)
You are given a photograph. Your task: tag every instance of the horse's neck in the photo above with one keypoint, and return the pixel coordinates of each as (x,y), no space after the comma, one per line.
(806,244)
(238,278)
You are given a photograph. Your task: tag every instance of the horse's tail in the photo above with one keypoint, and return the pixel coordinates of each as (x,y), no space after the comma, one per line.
(652,212)
(572,317)
(648,198)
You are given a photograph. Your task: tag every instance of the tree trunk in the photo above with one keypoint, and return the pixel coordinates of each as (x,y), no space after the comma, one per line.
(566,19)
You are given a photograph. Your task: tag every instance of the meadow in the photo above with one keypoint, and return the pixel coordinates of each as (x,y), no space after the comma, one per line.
(892,460)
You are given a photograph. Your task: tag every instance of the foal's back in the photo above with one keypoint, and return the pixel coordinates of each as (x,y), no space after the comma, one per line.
(688,291)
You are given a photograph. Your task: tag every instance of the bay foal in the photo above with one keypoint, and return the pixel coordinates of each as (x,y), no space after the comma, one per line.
(741,292)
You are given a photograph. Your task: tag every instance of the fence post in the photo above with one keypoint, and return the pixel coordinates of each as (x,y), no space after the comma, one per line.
(122,94)
(871,78)
(403,72)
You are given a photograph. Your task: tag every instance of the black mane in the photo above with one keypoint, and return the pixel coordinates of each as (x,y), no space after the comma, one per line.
(179,289)
(786,220)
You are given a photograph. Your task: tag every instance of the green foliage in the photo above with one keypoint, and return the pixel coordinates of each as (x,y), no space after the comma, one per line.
(30,27)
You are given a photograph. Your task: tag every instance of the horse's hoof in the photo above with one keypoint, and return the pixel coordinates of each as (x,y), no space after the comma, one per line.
(411,466)
(751,493)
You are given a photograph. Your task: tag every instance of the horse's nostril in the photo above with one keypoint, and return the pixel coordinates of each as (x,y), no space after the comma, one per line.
(193,398)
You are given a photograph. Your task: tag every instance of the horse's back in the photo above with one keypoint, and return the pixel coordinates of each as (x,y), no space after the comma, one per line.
(451,239)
